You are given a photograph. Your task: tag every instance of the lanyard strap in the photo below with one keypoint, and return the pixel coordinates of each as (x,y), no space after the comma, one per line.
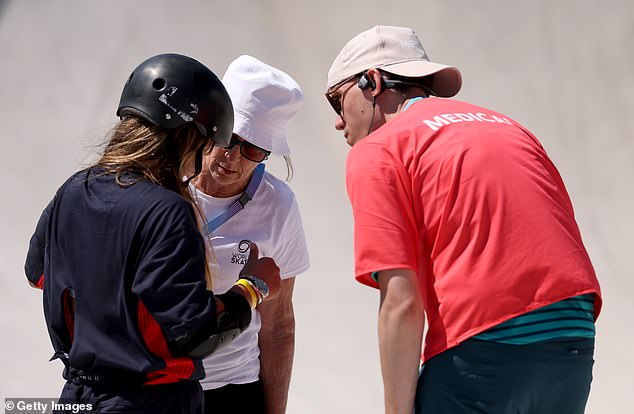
(239,204)
(412,101)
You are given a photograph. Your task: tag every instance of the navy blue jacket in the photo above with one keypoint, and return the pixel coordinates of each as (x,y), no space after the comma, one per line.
(123,277)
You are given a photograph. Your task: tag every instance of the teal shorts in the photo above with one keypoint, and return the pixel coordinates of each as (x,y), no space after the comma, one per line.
(489,377)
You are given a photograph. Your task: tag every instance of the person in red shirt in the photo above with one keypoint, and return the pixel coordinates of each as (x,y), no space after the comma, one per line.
(460,218)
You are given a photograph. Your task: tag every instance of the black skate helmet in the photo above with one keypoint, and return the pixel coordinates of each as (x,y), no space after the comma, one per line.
(170,90)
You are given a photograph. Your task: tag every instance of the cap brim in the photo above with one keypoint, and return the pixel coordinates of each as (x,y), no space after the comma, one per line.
(447,80)
(262,135)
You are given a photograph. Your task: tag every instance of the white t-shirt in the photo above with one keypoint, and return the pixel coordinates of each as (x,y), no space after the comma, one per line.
(271,220)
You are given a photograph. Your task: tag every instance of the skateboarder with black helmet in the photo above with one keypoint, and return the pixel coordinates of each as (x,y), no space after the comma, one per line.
(121,260)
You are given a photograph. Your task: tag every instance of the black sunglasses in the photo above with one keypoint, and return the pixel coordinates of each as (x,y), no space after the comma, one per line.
(247,150)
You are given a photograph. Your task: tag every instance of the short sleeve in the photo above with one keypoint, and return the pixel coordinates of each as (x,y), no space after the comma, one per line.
(292,256)
(384,227)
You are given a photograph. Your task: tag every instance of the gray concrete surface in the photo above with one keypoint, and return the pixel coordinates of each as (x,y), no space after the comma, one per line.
(563,68)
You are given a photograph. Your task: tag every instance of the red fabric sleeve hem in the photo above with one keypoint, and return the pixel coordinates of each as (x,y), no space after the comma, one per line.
(367,280)
(40,282)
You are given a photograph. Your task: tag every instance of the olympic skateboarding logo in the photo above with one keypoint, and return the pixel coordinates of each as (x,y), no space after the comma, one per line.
(244,245)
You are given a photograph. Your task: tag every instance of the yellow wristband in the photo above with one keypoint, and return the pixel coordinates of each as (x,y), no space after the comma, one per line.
(247,293)
(251,291)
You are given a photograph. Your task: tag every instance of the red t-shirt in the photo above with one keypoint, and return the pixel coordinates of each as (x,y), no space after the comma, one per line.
(469,200)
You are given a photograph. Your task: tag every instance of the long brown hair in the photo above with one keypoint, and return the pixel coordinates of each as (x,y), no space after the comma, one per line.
(138,150)
(151,153)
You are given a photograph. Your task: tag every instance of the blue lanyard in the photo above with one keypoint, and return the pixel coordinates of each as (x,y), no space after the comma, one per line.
(239,204)
(411,101)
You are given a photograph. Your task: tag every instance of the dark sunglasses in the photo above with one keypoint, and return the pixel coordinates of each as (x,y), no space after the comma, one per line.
(247,150)
(336,99)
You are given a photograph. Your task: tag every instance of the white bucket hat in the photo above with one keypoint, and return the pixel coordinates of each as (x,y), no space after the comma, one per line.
(264,101)
(395,50)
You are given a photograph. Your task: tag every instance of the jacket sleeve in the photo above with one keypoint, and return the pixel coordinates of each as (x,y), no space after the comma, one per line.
(170,282)
(34,265)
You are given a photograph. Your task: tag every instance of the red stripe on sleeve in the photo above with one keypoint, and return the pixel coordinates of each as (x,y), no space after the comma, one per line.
(40,282)
(175,368)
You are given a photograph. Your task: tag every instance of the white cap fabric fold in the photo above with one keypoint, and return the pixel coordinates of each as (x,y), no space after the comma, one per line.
(264,100)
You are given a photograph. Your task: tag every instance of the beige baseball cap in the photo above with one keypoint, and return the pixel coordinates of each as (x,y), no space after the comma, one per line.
(395,50)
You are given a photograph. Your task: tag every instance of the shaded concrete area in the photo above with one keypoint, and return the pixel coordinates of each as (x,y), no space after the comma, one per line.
(562,68)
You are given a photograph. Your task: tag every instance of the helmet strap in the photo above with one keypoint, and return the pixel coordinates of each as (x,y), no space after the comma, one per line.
(198,164)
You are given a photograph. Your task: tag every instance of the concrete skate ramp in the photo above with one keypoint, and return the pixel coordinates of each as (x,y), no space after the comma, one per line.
(562,68)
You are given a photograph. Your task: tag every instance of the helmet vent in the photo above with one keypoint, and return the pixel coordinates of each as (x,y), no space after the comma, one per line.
(158,84)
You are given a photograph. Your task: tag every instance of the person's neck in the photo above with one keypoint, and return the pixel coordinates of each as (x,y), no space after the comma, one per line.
(398,103)
(207,185)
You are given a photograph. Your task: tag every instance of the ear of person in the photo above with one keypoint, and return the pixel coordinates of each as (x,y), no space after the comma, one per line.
(377,86)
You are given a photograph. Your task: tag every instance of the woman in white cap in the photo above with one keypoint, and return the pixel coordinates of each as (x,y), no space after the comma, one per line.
(244,204)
